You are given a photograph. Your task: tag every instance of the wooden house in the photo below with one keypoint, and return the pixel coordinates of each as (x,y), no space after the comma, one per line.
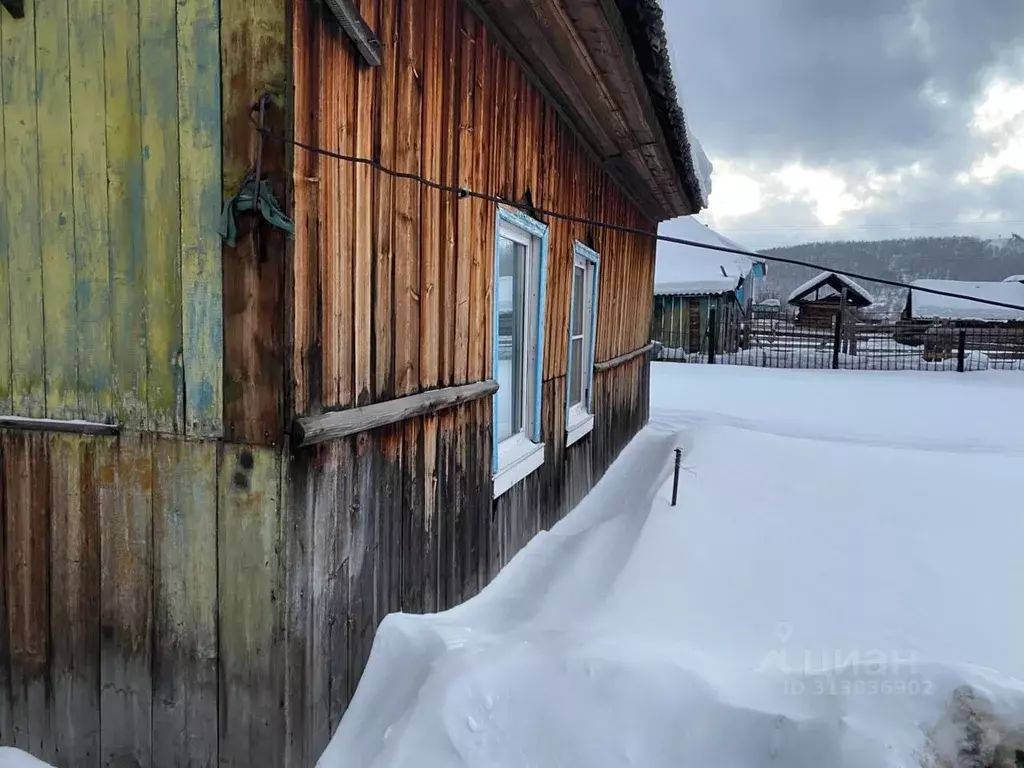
(818,300)
(226,458)
(934,320)
(691,282)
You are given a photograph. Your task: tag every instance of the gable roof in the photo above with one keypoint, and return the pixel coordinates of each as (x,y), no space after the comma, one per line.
(929,306)
(604,65)
(855,292)
(685,270)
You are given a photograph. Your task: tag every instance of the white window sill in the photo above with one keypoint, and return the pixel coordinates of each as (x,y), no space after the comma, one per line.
(579,428)
(518,458)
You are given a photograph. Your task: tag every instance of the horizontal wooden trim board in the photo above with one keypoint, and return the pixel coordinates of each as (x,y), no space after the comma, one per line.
(311,430)
(71,426)
(607,365)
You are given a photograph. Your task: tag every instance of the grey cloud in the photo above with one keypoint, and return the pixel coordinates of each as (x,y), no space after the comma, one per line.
(829,81)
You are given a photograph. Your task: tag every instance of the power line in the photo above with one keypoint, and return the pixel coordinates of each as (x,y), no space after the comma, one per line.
(463,192)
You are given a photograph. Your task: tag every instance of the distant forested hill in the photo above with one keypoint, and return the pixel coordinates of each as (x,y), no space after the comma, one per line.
(952,258)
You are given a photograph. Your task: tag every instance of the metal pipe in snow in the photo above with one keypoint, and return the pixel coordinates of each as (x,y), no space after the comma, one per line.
(675,478)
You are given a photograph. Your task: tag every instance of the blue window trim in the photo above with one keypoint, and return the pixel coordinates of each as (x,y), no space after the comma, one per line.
(540,231)
(579,249)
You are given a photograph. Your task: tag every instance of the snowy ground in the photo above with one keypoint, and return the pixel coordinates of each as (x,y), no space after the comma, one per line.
(843,556)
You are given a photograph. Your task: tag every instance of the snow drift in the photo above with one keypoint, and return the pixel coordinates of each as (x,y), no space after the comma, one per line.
(753,625)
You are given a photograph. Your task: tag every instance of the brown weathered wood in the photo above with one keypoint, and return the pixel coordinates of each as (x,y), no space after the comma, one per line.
(307,358)
(364,556)
(126,602)
(73,427)
(385,108)
(365,185)
(330,595)
(430,199)
(465,220)
(451,114)
(408,217)
(75,596)
(482,264)
(311,430)
(185,603)
(6,704)
(250,578)
(297,493)
(26,536)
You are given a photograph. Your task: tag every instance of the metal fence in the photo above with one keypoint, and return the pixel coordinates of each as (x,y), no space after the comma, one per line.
(848,340)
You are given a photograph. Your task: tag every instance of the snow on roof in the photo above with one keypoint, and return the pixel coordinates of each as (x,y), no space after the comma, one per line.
(931,306)
(820,280)
(690,271)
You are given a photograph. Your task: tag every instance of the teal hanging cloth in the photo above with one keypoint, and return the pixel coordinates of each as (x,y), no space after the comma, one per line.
(245,201)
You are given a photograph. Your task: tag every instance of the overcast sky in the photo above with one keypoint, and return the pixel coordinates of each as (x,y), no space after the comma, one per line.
(855,119)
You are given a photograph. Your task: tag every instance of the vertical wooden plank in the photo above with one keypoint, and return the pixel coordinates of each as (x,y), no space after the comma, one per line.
(125,491)
(451,97)
(75,597)
(408,222)
(253,61)
(444,469)
(386,103)
(199,138)
(305,295)
(343,93)
(297,495)
(92,243)
(21,197)
(430,199)
(158,56)
(329,116)
(27,537)
(125,210)
(6,701)
(56,211)
(480,312)
(362,551)
(365,207)
(250,578)
(465,220)
(414,533)
(185,603)
(6,328)
(433,524)
(329,587)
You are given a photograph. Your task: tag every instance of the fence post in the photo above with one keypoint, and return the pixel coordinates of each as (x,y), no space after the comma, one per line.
(712,333)
(837,341)
(961,349)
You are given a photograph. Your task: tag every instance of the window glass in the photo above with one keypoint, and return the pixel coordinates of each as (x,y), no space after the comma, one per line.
(511,335)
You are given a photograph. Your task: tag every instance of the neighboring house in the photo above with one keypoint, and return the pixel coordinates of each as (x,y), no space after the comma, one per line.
(930,318)
(817,301)
(690,282)
(224,462)
(925,307)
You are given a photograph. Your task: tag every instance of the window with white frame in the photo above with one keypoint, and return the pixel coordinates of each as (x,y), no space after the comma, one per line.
(520,274)
(579,419)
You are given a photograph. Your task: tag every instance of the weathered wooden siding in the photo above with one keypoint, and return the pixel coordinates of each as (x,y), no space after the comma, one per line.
(403,518)
(143,608)
(110,307)
(393,278)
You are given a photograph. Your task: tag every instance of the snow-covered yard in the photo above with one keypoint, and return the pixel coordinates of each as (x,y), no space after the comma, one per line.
(844,555)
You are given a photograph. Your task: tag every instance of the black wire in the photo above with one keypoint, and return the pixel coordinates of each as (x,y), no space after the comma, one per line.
(462,192)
